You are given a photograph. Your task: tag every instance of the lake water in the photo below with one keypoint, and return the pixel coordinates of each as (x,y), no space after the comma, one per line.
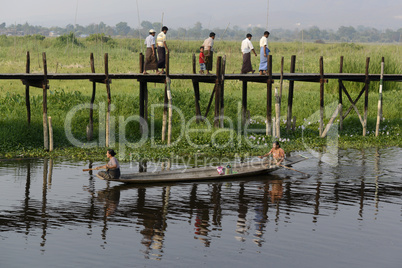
(346,215)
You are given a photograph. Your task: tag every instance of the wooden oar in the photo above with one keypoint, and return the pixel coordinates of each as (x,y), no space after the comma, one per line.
(308,175)
(88,169)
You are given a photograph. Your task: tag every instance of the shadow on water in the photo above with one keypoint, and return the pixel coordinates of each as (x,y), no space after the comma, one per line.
(362,179)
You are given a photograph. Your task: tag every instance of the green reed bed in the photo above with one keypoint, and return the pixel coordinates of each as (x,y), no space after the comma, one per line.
(19,140)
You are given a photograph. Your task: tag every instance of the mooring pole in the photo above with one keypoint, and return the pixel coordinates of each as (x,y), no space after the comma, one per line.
(217,91)
(90,128)
(269,97)
(367,82)
(109,99)
(340,96)
(142,95)
(50,134)
(321,95)
(44,105)
(290,96)
(379,112)
(27,101)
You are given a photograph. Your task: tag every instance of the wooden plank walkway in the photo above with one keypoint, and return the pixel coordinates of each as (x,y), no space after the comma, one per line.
(307,77)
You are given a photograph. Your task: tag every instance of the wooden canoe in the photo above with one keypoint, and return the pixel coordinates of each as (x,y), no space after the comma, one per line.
(248,169)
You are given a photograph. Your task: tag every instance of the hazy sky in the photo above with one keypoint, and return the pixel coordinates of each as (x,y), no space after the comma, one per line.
(325,14)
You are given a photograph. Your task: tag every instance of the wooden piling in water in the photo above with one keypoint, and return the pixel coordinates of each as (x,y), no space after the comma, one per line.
(169,94)
(196,87)
(269,98)
(277,133)
(379,111)
(217,90)
(44,104)
(142,91)
(367,82)
(290,95)
(244,103)
(50,134)
(222,93)
(27,99)
(109,99)
(90,128)
(166,100)
(321,95)
(278,100)
(340,96)
(165,111)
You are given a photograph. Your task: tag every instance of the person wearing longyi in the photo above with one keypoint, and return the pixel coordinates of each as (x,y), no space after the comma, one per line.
(277,152)
(264,51)
(246,48)
(151,60)
(112,167)
(162,48)
(209,51)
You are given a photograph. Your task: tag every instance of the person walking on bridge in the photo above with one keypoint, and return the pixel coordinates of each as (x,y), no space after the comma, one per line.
(246,48)
(162,48)
(151,61)
(264,51)
(209,51)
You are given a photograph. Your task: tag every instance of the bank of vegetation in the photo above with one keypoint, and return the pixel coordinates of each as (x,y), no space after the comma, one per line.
(70,54)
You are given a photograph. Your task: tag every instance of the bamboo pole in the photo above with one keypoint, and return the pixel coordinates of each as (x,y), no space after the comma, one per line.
(377,127)
(27,101)
(321,95)
(165,111)
(367,82)
(290,96)
(165,101)
(50,134)
(340,96)
(90,128)
(278,99)
(331,121)
(277,133)
(169,94)
(269,98)
(44,104)
(109,99)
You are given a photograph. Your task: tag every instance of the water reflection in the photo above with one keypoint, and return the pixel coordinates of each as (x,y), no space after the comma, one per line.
(254,206)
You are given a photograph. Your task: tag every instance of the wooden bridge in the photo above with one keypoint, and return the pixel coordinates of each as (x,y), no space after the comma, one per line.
(218,79)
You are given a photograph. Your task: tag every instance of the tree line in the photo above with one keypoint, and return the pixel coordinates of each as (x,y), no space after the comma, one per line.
(198,32)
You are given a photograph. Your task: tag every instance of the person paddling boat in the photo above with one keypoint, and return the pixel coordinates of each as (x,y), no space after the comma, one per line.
(277,152)
(112,167)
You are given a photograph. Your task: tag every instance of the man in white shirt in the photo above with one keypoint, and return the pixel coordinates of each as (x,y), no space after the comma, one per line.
(264,51)
(246,48)
(151,61)
(209,51)
(162,48)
